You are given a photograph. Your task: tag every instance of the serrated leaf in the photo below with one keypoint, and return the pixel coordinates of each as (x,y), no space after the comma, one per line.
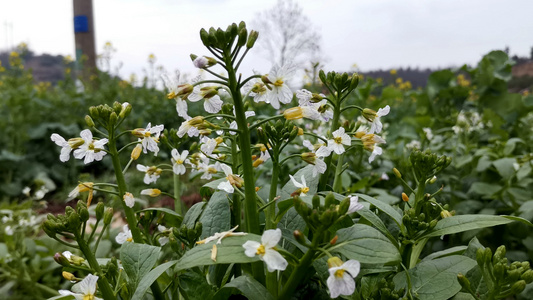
(436,279)
(365,244)
(150,278)
(138,260)
(229,251)
(462,223)
(216,216)
(246,286)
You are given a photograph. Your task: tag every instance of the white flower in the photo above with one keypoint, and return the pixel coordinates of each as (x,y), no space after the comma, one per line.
(323,109)
(265,155)
(129,199)
(354,205)
(9,230)
(124,236)
(163,240)
(306,98)
(189,127)
(212,102)
(303,189)
(340,138)
(177,161)
(384,176)
(87,288)
(370,143)
(308,112)
(151,192)
(266,251)
(150,137)
(178,91)
(280,91)
(208,170)
(377,151)
(218,236)
(66,147)
(428,132)
(200,62)
(257,89)
(26,191)
(208,145)
(151,174)
(341,276)
(91,150)
(39,194)
(376,123)
(231,180)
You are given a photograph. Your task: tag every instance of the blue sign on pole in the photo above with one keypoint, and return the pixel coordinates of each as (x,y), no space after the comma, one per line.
(81,24)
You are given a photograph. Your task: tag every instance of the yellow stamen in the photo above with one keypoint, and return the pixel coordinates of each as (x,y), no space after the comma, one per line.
(260,250)
(339,273)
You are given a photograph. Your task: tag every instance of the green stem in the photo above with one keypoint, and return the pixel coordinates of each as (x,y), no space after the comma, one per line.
(103,284)
(337,182)
(272,277)
(251,215)
(334,126)
(301,270)
(177,194)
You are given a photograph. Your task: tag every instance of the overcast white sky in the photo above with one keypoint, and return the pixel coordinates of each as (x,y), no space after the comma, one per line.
(372,33)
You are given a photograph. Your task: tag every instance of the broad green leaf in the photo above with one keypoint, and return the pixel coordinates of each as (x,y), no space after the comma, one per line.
(462,223)
(138,260)
(365,244)
(523,172)
(384,207)
(458,250)
(484,189)
(290,222)
(510,145)
(483,164)
(229,251)
(463,296)
(212,185)
(194,286)
(150,278)
(436,279)
(246,286)
(505,167)
(192,214)
(216,216)
(376,221)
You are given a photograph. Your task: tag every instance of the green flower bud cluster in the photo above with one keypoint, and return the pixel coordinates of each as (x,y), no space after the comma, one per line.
(427,164)
(385,290)
(184,236)
(339,82)
(106,115)
(416,223)
(275,135)
(224,39)
(320,216)
(505,279)
(111,271)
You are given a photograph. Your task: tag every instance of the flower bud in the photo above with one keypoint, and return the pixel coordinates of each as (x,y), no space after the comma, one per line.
(330,200)
(316,201)
(113,118)
(527,276)
(108,215)
(69,276)
(405,198)
(83,211)
(99,210)
(480,254)
(344,206)
(243,34)
(463,281)
(518,287)
(369,114)
(204,36)
(499,254)
(397,173)
(89,121)
(334,240)
(94,112)
(299,236)
(487,255)
(432,180)
(62,260)
(252,37)
(125,111)
(136,152)
(334,262)
(445,214)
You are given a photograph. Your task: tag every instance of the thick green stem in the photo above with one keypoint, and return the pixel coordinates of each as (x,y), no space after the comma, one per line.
(237,208)
(103,284)
(337,182)
(178,207)
(130,214)
(251,216)
(272,277)
(301,270)
(334,126)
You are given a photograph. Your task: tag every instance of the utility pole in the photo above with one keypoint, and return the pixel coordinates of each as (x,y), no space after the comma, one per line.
(84,37)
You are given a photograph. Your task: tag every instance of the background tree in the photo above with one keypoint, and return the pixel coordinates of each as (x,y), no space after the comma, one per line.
(286,34)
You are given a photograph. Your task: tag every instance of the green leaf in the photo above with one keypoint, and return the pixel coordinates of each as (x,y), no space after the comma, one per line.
(523,172)
(138,260)
(483,164)
(365,244)
(505,167)
(194,286)
(458,250)
(384,207)
(376,221)
(436,279)
(171,216)
(192,214)
(150,278)
(246,286)
(216,216)
(229,251)
(484,189)
(462,223)
(290,222)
